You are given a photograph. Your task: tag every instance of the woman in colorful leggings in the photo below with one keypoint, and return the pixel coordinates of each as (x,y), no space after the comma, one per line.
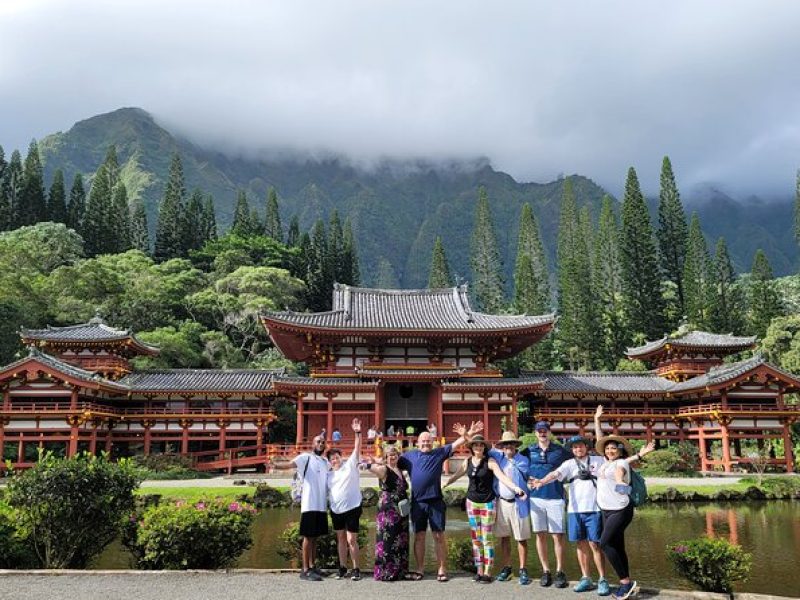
(481,472)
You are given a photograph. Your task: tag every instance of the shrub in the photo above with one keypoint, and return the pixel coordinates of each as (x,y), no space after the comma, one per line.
(73,508)
(784,486)
(16,550)
(459,555)
(711,564)
(168,466)
(205,535)
(290,545)
(665,462)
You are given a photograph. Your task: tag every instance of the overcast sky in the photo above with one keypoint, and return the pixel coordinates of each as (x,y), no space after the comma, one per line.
(539,87)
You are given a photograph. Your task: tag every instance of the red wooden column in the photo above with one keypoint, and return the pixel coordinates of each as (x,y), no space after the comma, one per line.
(329,421)
(703,450)
(185,424)
(487,427)
(72,446)
(21,448)
(223,432)
(380,407)
(147,424)
(514,425)
(787,446)
(93,439)
(301,430)
(726,446)
(259,437)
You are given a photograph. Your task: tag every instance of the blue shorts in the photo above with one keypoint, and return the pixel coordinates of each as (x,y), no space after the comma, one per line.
(424,512)
(584,526)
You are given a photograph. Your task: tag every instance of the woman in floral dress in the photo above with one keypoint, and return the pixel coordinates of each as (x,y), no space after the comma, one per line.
(391,543)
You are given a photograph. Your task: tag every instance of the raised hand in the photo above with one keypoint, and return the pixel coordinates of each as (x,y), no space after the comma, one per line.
(475,427)
(460,429)
(356,425)
(648,448)
(599,412)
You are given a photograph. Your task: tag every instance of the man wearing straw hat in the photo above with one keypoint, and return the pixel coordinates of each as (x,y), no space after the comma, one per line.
(513,509)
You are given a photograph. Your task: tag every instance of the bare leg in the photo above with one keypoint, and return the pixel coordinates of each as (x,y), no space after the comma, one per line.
(341,547)
(558,542)
(441,551)
(541,549)
(308,557)
(352,543)
(599,559)
(522,549)
(583,557)
(419,550)
(505,552)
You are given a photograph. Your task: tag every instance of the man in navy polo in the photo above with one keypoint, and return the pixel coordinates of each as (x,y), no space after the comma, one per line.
(547,502)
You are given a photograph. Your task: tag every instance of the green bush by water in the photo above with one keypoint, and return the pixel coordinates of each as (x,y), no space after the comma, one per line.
(204,535)
(711,564)
(290,544)
(459,555)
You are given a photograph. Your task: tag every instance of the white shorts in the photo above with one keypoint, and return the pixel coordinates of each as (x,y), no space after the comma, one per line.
(547,515)
(508,523)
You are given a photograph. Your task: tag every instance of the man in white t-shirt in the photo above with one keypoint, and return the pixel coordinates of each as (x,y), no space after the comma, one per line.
(313,467)
(584,520)
(344,495)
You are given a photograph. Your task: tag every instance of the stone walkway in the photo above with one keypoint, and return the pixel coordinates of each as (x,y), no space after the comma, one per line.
(263,585)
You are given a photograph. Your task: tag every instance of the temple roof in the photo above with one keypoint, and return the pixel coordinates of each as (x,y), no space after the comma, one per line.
(602,381)
(70,371)
(211,380)
(694,339)
(94,330)
(415,310)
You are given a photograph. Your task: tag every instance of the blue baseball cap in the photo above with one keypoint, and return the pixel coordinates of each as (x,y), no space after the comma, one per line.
(542,425)
(577,439)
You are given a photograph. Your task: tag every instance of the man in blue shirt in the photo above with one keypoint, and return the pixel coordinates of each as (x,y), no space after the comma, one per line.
(427,504)
(547,502)
(513,512)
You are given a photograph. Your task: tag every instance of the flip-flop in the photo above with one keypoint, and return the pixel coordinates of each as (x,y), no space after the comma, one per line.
(442,577)
(414,576)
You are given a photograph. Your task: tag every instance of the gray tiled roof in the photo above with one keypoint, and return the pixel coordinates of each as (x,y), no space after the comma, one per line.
(93,331)
(427,373)
(324,381)
(65,368)
(212,380)
(601,381)
(509,382)
(723,373)
(415,310)
(695,339)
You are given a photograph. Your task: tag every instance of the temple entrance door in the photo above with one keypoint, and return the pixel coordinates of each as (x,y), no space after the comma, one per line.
(406,407)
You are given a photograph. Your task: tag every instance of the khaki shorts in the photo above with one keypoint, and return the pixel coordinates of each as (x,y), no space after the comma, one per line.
(508,522)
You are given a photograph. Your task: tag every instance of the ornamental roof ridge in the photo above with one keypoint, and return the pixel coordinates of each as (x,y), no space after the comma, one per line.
(694,338)
(64,367)
(94,330)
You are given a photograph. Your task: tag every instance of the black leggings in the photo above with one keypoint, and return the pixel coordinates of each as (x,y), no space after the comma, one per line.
(612,540)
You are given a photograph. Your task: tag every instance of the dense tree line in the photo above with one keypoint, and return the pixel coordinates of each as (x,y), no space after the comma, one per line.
(620,280)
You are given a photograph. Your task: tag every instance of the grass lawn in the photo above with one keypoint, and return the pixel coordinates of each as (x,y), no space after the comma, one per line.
(699,487)
(195,494)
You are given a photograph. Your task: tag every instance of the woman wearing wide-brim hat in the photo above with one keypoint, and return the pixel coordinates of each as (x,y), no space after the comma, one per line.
(613,498)
(481,471)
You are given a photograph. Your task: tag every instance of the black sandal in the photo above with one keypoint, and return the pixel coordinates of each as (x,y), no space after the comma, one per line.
(414,576)
(442,577)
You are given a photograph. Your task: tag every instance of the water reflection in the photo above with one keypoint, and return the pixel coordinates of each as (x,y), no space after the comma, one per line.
(768,530)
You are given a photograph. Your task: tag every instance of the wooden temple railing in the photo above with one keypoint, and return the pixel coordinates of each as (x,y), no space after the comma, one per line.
(733,409)
(100,410)
(608,413)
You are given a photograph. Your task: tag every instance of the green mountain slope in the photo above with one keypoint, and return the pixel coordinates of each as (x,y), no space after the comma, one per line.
(397,207)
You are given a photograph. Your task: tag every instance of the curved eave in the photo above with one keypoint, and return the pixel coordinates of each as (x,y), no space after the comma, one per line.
(155,391)
(500,386)
(12,371)
(130,344)
(656,352)
(792,382)
(282,387)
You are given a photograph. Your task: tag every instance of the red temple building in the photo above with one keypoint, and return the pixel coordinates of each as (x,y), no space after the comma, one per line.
(403,359)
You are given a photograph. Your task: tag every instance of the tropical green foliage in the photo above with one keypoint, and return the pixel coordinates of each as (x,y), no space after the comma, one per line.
(16,549)
(72,508)
(781,344)
(672,233)
(440,276)
(290,544)
(713,565)
(204,535)
(487,267)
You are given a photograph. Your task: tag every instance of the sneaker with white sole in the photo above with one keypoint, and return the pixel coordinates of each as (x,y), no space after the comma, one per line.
(603,588)
(584,585)
(627,590)
(505,574)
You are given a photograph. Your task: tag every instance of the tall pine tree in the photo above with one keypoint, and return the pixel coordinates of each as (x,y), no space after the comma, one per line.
(673,232)
(727,304)
(351,272)
(336,248)
(169,230)
(209,220)
(76,208)
(6,210)
(98,229)
(120,222)
(579,321)
(57,199)
(487,267)
(764,303)
(12,188)
(439,276)
(193,225)
(640,274)
(272,224)
(608,290)
(243,221)
(797,208)
(319,278)
(140,236)
(696,277)
(293,235)
(32,206)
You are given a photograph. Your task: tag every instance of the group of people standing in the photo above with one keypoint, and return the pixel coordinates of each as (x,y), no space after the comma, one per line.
(513,492)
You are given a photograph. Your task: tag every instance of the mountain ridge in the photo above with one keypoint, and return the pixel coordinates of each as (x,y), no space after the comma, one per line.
(397,206)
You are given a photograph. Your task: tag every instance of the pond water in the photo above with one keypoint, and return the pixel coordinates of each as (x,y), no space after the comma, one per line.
(770,531)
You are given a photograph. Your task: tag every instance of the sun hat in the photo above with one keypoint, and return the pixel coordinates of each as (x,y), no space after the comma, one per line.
(478,439)
(541,425)
(603,441)
(509,437)
(576,439)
